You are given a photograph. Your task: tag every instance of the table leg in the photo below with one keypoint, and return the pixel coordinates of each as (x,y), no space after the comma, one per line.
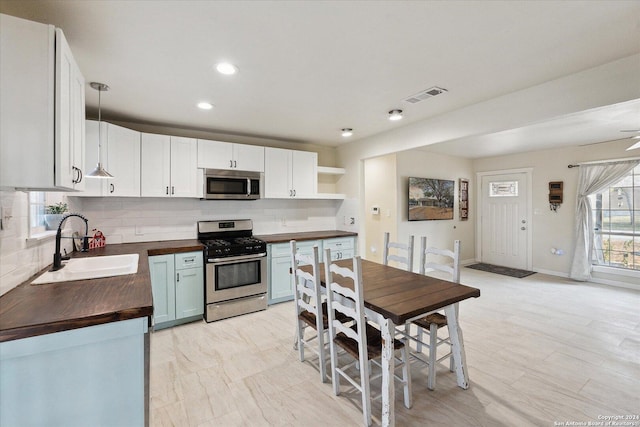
(459,358)
(388,391)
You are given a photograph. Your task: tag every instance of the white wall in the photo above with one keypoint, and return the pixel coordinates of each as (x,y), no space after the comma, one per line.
(555,229)
(380,190)
(439,233)
(386,180)
(20,258)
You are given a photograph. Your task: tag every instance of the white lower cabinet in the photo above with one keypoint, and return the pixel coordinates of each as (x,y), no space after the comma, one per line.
(177,283)
(279,262)
(92,376)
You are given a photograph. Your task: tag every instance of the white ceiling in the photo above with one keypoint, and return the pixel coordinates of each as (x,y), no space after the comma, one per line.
(310,68)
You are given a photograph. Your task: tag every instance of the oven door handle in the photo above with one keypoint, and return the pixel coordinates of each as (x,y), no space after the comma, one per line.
(238,258)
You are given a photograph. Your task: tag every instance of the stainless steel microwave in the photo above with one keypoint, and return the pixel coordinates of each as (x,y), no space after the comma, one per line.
(232,184)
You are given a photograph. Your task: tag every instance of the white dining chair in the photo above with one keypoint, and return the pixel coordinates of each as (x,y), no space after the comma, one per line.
(309,307)
(362,341)
(447,261)
(401,253)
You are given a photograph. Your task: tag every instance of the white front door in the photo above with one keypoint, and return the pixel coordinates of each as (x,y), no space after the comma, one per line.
(505,220)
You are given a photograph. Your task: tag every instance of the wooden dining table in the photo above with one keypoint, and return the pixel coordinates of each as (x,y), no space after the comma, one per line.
(391,298)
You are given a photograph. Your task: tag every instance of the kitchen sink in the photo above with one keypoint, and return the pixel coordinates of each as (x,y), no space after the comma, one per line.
(92,268)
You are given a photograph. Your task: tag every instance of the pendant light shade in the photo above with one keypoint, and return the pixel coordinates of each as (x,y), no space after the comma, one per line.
(99,171)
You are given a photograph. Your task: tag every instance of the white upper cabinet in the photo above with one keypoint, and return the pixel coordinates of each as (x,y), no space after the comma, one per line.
(155,166)
(184,167)
(229,156)
(120,157)
(41,109)
(70,118)
(290,174)
(123,161)
(169,166)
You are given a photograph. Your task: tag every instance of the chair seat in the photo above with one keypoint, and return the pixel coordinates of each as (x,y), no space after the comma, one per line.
(310,318)
(438,319)
(374,343)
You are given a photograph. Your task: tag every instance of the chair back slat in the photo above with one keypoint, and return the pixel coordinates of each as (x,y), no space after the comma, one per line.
(403,253)
(452,259)
(307,292)
(348,302)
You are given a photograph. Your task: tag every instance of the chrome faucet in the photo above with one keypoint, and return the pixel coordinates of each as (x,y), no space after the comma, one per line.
(57,256)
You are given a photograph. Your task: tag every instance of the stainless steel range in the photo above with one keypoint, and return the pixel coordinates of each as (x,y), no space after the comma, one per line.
(236,268)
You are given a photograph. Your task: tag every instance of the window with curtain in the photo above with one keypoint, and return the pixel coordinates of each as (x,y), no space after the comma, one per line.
(616,223)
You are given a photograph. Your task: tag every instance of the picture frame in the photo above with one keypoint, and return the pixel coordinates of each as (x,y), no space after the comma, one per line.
(430,199)
(463,199)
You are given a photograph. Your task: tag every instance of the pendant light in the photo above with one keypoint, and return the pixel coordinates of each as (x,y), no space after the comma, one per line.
(99,171)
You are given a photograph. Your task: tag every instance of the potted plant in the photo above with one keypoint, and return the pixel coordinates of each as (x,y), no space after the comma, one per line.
(53,215)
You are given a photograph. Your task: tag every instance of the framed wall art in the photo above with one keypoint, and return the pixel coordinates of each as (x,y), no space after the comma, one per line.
(430,199)
(463,197)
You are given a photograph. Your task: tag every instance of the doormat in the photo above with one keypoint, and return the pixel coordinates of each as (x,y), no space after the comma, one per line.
(505,271)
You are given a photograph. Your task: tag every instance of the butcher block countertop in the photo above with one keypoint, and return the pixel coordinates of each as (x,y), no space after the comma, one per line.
(307,235)
(30,310)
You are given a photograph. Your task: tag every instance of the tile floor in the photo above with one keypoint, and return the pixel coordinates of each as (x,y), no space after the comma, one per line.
(540,350)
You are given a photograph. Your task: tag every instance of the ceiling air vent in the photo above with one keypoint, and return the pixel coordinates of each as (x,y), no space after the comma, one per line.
(422,95)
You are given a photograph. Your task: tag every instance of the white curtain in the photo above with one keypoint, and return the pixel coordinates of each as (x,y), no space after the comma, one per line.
(593,179)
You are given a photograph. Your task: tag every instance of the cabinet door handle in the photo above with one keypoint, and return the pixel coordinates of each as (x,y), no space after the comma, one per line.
(113,188)
(294,193)
(177,277)
(230,163)
(173,190)
(78,177)
(235,163)
(167,190)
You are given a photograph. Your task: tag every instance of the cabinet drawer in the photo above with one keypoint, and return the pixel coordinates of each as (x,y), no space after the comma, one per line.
(304,247)
(188,260)
(341,254)
(338,244)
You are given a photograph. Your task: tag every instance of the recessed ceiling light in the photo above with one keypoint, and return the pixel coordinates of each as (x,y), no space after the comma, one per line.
(395,115)
(205,105)
(346,132)
(226,68)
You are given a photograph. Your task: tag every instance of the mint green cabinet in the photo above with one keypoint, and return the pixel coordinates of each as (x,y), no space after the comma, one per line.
(92,376)
(177,283)
(279,262)
(341,247)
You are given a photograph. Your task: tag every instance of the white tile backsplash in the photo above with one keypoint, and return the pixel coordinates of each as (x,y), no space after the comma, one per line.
(20,258)
(127,220)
